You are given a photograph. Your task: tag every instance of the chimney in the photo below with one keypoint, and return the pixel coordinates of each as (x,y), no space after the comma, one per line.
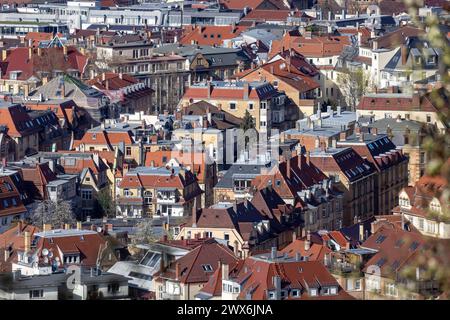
(103,76)
(65,50)
(338,109)
(39,51)
(404,53)
(51,165)
(121,75)
(288,168)
(30,53)
(177,271)
(27,241)
(342,136)
(246,89)
(194,214)
(209,85)
(361,232)
(294,236)
(66,226)
(47,227)
(79,225)
(298,256)
(225,271)
(273,253)
(308,241)
(317,143)
(4,54)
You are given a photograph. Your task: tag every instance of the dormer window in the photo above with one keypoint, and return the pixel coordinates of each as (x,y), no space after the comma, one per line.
(431,60)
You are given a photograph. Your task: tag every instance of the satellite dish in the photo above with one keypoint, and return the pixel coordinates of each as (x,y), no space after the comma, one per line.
(45,252)
(50,254)
(57,259)
(99,229)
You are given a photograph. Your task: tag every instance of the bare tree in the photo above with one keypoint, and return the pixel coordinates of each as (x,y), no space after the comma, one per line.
(354,83)
(56,213)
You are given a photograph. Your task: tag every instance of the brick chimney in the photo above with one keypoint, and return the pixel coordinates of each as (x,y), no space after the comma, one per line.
(288,168)
(246,89)
(47,227)
(404,53)
(177,271)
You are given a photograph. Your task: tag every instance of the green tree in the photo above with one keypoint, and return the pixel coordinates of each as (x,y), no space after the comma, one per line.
(248,122)
(106,203)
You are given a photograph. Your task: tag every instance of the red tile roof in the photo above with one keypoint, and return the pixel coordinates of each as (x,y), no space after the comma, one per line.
(396,249)
(10,201)
(196,161)
(42,59)
(316,252)
(323,46)
(190,266)
(302,275)
(211,35)
(113,81)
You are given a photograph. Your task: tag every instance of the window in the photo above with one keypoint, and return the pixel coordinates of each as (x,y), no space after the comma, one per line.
(358,284)
(391,290)
(128,151)
(250,106)
(295,293)
(262,124)
(207,268)
(226,236)
(6,203)
(113,288)
(325,291)
(313,292)
(36,294)
(333,290)
(271,295)
(428,118)
(232,105)
(421,224)
(263,105)
(86,194)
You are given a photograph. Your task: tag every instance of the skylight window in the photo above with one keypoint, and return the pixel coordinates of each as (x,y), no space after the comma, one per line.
(414,245)
(380,239)
(207,268)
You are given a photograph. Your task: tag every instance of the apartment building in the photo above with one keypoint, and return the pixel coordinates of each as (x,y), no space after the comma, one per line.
(264,103)
(387,159)
(158,192)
